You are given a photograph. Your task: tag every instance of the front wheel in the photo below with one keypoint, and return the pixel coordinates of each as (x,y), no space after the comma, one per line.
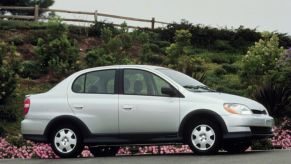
(204,137)
(236,147)
(103,151)
(66,141)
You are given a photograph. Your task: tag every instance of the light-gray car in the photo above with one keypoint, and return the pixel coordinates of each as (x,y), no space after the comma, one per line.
(105,107)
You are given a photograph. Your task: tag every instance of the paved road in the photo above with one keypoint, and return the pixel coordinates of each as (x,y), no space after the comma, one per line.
(255,157)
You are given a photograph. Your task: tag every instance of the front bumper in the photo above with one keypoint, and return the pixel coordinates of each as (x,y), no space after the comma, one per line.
(248,126)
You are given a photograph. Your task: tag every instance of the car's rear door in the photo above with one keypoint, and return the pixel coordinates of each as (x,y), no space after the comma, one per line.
(93,98)
(142,106)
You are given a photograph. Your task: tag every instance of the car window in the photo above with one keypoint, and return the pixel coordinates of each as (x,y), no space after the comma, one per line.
(139,82)
(78,85)
(135,82)
(159,83)
(99,82)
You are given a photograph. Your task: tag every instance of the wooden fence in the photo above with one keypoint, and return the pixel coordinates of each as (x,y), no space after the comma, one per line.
(36,17)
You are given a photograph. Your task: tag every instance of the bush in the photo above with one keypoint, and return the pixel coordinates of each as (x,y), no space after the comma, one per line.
(30,69)
(222,45)
(56,49)
(2,131)
(276,98)
(261,59)
(98,57)
(7,71)
(16,40)
(219,71)
(8,115)
(230,68)
(95,30)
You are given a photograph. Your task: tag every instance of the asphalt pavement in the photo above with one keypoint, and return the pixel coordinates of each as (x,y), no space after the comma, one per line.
(253,157)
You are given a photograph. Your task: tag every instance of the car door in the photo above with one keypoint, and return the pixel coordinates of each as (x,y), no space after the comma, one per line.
(142,106)
(93,98)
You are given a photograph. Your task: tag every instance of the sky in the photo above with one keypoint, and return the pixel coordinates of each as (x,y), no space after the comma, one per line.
(265,15)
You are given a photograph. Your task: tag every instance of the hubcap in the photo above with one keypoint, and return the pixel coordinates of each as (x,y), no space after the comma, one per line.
(203,137)
(65,140)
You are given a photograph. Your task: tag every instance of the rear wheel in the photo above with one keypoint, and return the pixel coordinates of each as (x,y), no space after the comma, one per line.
(236,147)
(204,137)
(101,151)
(66,141)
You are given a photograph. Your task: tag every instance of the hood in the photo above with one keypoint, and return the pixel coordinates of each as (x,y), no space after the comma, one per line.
(229,98)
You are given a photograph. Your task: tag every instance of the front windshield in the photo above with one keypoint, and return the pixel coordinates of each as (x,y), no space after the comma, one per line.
(184,80)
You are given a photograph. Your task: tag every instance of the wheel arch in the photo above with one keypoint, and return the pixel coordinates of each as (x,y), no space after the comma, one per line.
(67,119)
(201,113)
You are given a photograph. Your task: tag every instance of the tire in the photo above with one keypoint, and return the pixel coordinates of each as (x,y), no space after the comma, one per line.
(104,151)
(66,141)
(203,136)
(236,147)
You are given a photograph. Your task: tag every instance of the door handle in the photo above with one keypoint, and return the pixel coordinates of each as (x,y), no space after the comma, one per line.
(79,107)
(127,107)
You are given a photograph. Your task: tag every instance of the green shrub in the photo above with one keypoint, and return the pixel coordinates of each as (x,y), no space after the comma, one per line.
(221,58)
(230,68)
(261,59)
(57,51)
(7,71)
(106,34)
(16,40)
(98,57)
(219,71)
(222,45)
(2,131)
(8,114)
(276,98)
(30,69)
(95,30)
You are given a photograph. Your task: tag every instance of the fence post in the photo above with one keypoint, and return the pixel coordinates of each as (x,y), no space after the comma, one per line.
(36,12)
(96,16)
(153,23)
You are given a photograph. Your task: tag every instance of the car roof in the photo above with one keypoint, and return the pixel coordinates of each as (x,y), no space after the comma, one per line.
(127,66)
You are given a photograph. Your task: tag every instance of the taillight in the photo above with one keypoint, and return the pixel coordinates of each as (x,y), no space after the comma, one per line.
(26,105)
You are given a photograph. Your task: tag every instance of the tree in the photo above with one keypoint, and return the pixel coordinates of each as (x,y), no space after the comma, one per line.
(41,3)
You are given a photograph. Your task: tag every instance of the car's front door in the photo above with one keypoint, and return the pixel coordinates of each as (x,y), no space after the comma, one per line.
(143,108)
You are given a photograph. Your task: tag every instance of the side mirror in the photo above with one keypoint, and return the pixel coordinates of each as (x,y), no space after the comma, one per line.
(168,91)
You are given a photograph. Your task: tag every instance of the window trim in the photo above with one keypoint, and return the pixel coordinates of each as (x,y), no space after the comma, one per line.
(85,74)
(121,87)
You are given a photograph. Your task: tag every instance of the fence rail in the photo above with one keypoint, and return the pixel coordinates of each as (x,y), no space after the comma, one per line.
(95,14)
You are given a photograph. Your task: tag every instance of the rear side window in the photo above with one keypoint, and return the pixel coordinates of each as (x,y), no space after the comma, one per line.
(98,82)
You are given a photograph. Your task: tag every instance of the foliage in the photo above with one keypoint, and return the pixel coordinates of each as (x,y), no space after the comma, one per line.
(7,114)
(41,3)
(56,53)
(7,71)
(21,25)
(218,39)
(98,57)
(95,29)
(219,71)
(230,68)
(261,58)
(276,98)
(29,69)
(182,46)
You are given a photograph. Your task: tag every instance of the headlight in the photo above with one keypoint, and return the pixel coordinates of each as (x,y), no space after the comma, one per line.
(237,108)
